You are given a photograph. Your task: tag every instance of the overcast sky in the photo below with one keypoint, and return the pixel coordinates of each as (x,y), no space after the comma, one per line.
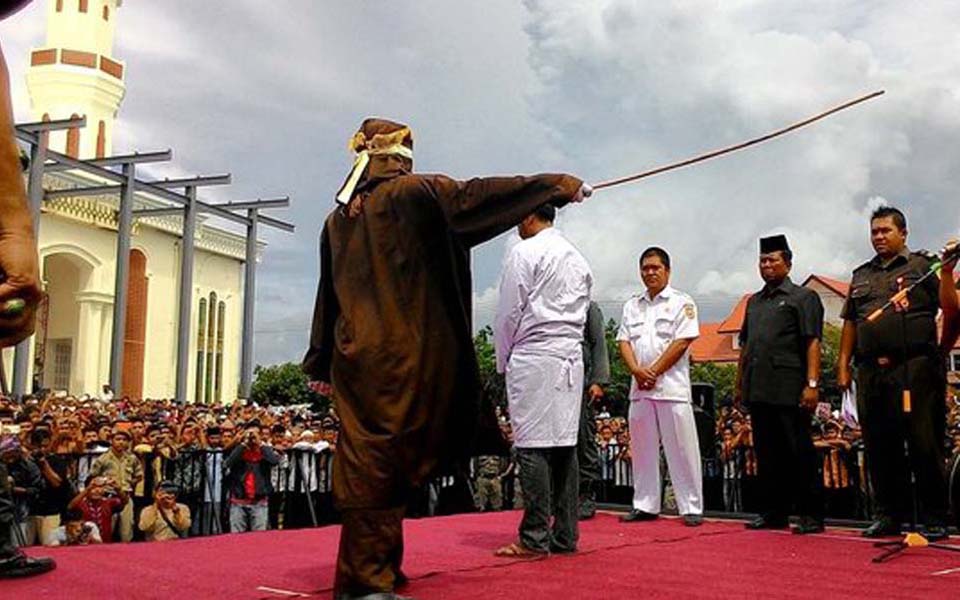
(271,91)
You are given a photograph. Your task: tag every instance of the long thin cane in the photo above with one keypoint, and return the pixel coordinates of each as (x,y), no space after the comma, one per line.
(727,150)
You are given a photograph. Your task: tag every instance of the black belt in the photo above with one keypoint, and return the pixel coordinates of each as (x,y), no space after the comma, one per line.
(894,359)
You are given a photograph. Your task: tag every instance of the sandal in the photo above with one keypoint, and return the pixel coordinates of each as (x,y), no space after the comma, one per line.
(516,550)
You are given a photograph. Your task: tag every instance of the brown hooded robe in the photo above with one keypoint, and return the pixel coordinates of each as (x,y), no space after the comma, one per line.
(391,328)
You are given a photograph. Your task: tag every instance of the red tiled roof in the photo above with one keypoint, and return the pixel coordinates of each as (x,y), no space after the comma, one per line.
(734,322)
(713,346)
(840,287)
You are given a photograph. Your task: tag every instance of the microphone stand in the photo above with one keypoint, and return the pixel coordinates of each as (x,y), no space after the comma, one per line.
(915,538)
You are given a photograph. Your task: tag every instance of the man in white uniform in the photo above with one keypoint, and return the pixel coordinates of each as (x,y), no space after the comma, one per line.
(538,332)
(655,333)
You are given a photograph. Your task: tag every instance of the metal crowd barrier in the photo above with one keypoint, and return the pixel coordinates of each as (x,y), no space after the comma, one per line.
(730,487)
(302,485)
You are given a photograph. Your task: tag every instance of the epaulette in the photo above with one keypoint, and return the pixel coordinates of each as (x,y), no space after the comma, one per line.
(926,254)
(863,266)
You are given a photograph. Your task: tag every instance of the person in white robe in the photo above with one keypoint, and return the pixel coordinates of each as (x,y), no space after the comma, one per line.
(538,332)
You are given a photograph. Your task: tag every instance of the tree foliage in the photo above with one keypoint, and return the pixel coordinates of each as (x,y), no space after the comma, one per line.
(284,384)
(829,351)
(492,383)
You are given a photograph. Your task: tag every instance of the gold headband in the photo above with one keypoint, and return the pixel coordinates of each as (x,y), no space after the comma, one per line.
(379,142)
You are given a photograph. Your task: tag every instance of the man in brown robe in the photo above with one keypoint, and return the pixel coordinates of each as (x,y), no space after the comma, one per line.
(391,337)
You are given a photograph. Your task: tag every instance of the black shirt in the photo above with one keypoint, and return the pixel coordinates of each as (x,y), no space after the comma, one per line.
(873,284)
(54,500)
(778,325)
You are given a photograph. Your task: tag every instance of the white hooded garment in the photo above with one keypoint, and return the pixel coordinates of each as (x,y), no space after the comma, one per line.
(544,295)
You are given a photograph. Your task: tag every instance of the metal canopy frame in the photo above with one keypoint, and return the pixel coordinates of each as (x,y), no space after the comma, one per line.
(125,184)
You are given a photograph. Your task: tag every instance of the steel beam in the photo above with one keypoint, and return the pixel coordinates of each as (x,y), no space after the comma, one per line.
(120,159)
(97,190)
(210,208)
(198,181)
(57,125)
(142,186)
(38,156)
(257,204)
(249,299)
(184,320)
(277,223)
(180,199)
(124,231)
(158,212)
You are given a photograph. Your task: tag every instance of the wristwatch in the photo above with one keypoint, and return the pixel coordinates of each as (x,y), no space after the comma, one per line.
(813,383)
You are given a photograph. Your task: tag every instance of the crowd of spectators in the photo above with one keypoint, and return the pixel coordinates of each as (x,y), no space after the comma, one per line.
(837,442)
(98,470)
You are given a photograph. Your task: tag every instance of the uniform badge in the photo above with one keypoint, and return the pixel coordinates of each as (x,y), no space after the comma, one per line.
(690,311)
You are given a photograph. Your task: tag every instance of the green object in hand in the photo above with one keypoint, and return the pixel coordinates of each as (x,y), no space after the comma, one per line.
(13,308)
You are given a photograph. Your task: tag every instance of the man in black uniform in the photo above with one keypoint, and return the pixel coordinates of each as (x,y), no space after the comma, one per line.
(778,378)
(895,352)
(596,374)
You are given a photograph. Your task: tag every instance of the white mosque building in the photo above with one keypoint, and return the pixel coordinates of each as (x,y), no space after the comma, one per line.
(76,74)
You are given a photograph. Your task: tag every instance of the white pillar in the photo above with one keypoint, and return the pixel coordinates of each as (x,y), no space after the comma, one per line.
(90,361)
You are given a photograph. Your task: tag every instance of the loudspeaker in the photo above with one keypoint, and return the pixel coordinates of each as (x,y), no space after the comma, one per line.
(703,395)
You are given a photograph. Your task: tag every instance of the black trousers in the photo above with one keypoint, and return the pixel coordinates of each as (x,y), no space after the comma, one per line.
(786,462)
(588,454)
(548,478)
(886,427)
(7,547)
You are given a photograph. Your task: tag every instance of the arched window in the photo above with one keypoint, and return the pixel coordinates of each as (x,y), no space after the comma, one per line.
(106,12)
(211,341)
(83,6)
(73,139)
(221,320)
(101,139)
(201,350)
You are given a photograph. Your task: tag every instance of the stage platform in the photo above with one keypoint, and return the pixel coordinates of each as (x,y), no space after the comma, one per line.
(451,557)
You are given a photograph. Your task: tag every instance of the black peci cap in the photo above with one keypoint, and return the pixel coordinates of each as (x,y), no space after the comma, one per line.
(774,243)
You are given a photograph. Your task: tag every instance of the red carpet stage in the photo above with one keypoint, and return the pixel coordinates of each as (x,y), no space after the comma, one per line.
(451,557)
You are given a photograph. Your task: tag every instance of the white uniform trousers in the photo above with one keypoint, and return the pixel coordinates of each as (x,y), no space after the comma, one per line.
(653,422)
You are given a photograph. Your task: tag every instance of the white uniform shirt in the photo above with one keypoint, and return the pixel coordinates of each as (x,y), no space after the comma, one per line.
(538,331)
(651,326)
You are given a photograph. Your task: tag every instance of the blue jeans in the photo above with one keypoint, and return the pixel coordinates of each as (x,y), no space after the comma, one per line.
(248,517)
